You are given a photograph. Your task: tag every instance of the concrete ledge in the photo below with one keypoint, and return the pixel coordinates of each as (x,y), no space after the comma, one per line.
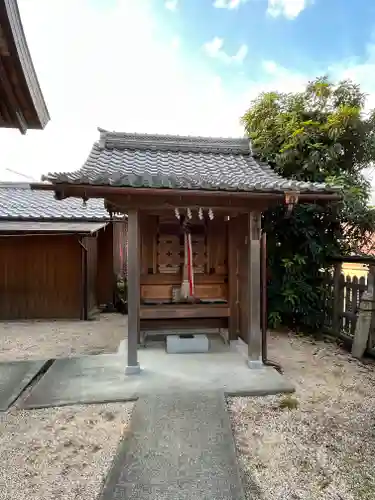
(188,343)
(101,378)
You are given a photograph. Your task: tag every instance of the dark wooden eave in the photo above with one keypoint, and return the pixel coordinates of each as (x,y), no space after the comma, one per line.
(120,198)
(22,104)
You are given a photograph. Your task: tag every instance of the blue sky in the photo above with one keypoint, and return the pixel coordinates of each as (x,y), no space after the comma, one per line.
(176,66)
(299,34)
(307,37)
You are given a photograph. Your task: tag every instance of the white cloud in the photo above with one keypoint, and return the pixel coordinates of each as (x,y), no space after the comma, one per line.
(228,4)
(278,78)
(215,49)
(270,67)
(241,53)
(171,4)
(287,8)
(360,71)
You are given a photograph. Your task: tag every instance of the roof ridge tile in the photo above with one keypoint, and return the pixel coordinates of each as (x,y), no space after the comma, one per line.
(182,143)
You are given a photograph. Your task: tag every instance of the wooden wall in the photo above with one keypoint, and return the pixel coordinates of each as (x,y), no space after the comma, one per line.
(40,277)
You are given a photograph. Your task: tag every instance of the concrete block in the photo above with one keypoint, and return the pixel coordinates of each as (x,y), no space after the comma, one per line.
(255,364)
(133,370)
(187,343)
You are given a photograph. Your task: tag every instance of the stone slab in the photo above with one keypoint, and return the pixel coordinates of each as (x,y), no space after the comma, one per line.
(179,344)
(101,378)
(88,379)
(14,378)
(180,447)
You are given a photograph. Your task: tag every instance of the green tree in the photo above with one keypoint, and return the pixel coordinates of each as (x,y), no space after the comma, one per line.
(321,134)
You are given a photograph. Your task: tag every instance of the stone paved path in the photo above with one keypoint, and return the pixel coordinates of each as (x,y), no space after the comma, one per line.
(15,377)
(180,447)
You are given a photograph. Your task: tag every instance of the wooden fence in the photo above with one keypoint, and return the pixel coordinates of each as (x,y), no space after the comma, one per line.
(343,298)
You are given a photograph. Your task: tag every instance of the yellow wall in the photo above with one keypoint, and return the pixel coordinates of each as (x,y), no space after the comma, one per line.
(353,269)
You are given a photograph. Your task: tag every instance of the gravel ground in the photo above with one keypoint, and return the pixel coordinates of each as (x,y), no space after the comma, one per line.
(318,444)
(59,453)
(55,339)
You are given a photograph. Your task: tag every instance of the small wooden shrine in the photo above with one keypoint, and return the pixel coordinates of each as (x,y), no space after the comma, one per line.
(194,208)
(184,268)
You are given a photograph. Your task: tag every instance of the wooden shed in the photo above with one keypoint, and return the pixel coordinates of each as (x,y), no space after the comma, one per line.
(194,208)
(22,104)
(57,260)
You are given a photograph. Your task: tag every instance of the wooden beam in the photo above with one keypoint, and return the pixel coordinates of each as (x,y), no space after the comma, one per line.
(134,292)
(175,279)
(254,343)
(178,311)
(188,200)
(95,191)
(160,206)
(166,325)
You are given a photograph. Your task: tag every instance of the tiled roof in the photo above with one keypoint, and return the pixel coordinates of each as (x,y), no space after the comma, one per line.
(177,162)
(18,201)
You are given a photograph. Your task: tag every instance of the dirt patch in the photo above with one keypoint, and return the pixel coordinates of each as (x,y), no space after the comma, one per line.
(55,339)
(59,453)
(318,444)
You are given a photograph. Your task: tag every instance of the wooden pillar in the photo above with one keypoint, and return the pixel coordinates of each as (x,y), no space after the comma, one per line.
(85,288)
(254,338)
(233,276)
(134,296)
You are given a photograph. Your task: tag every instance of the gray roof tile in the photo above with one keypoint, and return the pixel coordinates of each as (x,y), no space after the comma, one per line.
(18,201)
(156,161)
